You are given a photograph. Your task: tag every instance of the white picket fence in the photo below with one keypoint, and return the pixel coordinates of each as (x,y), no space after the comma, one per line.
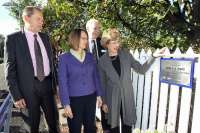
(163,107)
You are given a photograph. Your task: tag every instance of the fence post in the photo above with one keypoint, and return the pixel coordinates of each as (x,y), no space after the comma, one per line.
(147,95)
(140,92)
(185,104)
(173,103)
(154,95)
(196,114)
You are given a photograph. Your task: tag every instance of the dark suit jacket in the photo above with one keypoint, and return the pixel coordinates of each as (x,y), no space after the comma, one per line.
(99,47)
(19,70)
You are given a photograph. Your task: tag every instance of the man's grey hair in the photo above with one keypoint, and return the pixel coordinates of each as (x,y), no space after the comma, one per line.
(29,10)
(90,22)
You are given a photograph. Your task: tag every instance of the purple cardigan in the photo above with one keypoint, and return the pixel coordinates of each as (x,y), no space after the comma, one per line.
(77,78)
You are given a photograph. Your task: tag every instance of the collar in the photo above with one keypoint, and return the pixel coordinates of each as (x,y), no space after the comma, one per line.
(78,55)
(90,40)
(30,32)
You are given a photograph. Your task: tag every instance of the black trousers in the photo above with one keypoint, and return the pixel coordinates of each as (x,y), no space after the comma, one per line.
(42,97)
(104,122)
(83,109)
(125,128)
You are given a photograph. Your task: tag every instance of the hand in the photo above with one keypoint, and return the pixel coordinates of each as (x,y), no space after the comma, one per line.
(20,104)
(105,108)
(62,122)
(99,102)
(160,52)
(68,112)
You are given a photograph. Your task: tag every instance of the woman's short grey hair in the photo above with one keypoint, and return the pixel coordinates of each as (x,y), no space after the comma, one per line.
(111,34)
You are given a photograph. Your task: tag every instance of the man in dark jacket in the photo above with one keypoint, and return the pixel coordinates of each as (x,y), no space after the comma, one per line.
(93,27)
(29,71)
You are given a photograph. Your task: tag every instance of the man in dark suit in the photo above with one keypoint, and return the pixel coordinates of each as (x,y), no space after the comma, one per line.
(29,71)
(93,27)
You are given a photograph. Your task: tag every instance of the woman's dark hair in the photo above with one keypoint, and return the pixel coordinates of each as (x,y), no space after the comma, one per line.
(74,38)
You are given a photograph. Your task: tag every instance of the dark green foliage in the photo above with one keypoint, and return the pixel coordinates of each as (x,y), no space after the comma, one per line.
(142,23)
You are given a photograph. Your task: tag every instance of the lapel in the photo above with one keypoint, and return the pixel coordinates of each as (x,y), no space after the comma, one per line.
(111,70)
(122,63)
(98,41)
(25,48)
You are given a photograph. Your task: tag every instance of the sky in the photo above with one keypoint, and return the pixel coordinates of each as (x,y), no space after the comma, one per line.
(8,24)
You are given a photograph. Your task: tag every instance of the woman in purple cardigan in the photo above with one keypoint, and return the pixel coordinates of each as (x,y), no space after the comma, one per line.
(79,85)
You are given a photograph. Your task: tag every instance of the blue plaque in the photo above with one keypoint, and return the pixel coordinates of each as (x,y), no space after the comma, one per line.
(177,71)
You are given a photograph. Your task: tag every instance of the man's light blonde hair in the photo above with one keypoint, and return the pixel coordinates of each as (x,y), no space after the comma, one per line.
(29,10)
(111,34)
(92,21)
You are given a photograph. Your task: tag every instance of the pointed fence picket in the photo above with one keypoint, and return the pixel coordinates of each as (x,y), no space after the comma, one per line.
(135,75)
(173,103)
(139,102)
(147,91)
(185,104)
(154,95)
(196,107)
